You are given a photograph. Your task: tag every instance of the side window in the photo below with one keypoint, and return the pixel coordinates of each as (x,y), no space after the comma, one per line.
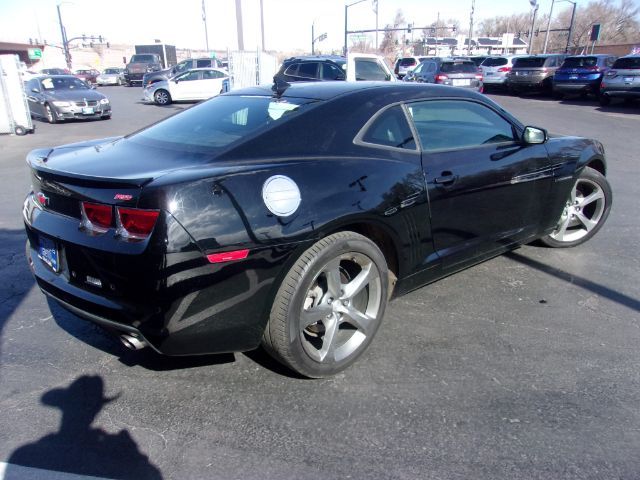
(331,72)
(209,74)
(31,85)
(308,70)
(452,124)
(369,70)
(432,67)
(391,129)
(419,68)
(189,76)
(203,63)
(292,70)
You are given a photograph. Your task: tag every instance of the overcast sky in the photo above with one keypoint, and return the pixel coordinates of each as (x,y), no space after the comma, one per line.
(179,22)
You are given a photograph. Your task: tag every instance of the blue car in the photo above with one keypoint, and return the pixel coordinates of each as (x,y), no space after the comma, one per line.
(581,75)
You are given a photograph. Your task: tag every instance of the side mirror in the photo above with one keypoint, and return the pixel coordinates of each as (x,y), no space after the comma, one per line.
(35,90)
(534,135)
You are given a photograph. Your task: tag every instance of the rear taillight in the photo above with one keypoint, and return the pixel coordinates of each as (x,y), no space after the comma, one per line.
(96,218)
(135,223)
(504,69)
(441,78)
(479,76)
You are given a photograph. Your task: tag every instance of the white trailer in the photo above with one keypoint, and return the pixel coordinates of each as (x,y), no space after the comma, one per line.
(14,110)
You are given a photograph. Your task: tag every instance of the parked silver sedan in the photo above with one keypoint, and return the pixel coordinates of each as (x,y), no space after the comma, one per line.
(111,76)
(193,85)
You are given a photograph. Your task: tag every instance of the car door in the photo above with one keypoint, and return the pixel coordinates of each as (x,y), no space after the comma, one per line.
(212,83)
(185,86)
(487,189)
(35,97)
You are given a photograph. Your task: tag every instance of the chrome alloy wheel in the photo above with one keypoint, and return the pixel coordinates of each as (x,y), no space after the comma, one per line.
(161,97)
(582,213)
(341,308)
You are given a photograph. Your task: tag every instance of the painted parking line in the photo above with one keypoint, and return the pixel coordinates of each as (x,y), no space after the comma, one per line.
(9,471)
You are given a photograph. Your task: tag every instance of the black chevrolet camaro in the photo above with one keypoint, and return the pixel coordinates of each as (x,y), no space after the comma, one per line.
(288,217)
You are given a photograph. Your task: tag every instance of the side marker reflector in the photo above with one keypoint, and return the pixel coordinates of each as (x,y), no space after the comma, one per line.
(228,256)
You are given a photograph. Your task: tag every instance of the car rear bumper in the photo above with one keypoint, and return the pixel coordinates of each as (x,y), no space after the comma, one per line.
(575,87)
(612,91)
(494,80)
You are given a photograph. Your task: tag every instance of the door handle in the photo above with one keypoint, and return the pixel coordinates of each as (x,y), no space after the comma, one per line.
(447,178)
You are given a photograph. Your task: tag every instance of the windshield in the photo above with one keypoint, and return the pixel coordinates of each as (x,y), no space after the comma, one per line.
(458,67)
(111,71)
(628,62)
(143,59)
(529,62)
(83,72)
(219,122)
(63,83)
(577,62)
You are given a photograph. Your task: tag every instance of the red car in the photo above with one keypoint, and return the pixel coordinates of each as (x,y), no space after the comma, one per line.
(89,76)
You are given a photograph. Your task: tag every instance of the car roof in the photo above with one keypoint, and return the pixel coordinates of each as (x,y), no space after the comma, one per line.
(205,68)
(330,90)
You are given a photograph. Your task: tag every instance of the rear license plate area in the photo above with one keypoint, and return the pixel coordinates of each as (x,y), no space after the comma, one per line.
(48,253)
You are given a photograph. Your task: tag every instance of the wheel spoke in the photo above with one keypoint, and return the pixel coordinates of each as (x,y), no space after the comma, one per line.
(588,223)
(328,350)
(332,272)
(358,319)
(314,314)
(355,286)
(595,196)
(562,230)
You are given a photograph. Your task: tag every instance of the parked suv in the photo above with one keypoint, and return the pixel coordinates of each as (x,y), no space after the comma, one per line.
(139,64)
(359,66)
(183,66)
(623,80)
(447,71)
(534,72)
(405,64)
(581,74)
(495,70)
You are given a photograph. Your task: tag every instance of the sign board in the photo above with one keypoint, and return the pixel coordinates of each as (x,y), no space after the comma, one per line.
(34,53)
(595,32)
(212,54)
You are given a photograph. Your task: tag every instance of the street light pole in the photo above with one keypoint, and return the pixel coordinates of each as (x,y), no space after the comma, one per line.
(313,38)
(573,16)
(546,35)
(473,4)
(346,9)
(204,19)
(533,23)
(65,44)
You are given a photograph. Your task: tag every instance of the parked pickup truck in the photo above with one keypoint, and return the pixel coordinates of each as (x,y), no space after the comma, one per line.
(138,65)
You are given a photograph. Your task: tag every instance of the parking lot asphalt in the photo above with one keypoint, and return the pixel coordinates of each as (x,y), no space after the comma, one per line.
(522,367)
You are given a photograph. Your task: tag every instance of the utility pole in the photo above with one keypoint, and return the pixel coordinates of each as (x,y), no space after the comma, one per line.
(262,24)
(313,38)
(473,5)
(534,4)
(204,19)
(375,9)
(239,25)
(546,35)
(573,16)
(65,44)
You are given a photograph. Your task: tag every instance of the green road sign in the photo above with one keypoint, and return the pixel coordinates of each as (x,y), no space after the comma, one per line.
(35,54)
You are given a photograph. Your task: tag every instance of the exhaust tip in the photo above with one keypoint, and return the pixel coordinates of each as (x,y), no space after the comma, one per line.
(132,342)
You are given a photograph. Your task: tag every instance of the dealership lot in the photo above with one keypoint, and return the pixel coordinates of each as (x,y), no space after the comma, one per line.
(525,366)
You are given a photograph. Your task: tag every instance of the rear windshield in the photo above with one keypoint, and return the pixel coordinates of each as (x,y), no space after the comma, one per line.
(529,62)
(143,59)
(219,122)
(407,62)
(628,62)
(494,62)
(458,67)
(112,70)
(577,62)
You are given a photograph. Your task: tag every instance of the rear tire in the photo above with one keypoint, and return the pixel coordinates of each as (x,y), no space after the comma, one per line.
(20,130)
(162,97)
(329,305)
(586,210)
(604,100)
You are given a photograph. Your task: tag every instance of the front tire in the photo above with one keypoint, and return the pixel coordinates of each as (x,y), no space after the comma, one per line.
(585,212)
(50,114)
(162,97)
(329,305)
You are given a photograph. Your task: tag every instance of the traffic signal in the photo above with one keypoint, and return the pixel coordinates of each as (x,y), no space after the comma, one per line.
(409,27)
(453,29)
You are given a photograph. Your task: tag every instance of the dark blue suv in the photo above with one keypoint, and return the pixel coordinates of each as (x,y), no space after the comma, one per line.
(581,75)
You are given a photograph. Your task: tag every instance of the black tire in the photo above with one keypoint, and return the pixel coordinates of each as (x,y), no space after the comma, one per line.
(586,211)
(162,97)
(329,306)
(558,95)
(105,117)
(20,130)
(49,114)
(604,100)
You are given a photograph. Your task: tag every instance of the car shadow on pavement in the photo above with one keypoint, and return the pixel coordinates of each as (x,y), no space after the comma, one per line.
(629,108)
(262,358)
(594,287)
(77,447)
(109,343)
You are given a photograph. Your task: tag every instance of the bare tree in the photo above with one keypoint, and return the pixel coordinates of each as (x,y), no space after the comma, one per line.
(390,38)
